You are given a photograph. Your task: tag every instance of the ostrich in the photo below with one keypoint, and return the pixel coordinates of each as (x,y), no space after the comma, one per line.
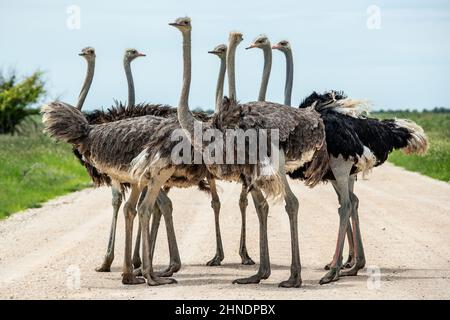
(301,135)
(355,143)
(221,51)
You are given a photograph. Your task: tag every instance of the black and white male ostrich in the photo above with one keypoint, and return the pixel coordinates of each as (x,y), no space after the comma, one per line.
(355,143)
(301,137)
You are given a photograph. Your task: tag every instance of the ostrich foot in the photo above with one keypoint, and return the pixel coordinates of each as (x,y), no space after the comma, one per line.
(137,272)
(353,270)
(130,279)
(292,282)
(169,271)
(253,279)
(153,280)
(246,260)
(348,264)
(332,275)
(350,261)
(105,267)
(215,261)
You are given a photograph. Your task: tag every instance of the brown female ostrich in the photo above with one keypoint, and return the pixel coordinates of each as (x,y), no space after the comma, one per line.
(355,143)
(221,52)
(301,136)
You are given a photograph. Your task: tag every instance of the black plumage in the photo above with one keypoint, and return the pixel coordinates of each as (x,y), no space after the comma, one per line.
(347,135)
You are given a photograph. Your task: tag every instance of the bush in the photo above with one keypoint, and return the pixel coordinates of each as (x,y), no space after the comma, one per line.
(16,99)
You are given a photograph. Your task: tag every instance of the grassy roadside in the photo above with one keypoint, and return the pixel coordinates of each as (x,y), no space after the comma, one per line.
(34,169)
(436,163)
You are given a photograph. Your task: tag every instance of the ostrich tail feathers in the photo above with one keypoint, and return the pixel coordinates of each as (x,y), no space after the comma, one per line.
(417,141)
(64,122)
(318,167)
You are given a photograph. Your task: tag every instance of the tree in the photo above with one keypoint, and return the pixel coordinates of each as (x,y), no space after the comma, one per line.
(16,99)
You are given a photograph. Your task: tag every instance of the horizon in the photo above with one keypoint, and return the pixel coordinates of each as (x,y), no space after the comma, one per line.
(397,58)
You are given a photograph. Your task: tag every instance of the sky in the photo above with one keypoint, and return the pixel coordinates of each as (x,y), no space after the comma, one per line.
(394,53)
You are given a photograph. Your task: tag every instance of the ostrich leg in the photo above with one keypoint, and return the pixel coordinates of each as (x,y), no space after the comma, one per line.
(215,204)
(341,170)
(129,211)
(165,207)
(109,256)
(262,209)
(137,262)
(243,203)
(351,255)
(359,259)
(136,257)
(145,211)
(292,205)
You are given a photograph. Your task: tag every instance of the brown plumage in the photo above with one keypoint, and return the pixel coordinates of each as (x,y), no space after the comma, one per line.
(110,147)
(300,131)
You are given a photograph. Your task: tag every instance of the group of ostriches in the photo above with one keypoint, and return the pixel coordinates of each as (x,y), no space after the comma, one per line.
(328,138)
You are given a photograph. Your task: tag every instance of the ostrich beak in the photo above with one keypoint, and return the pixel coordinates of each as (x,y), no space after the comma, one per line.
(174,24)
(140,54)
(213,52)
(276,46)
(81,54)
(251,46)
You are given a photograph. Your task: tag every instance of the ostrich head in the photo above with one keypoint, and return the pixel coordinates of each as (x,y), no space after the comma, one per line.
(183,24)
(235,37)
(220,51)
(261,42)
(131,54)
(283,46)
(88,53)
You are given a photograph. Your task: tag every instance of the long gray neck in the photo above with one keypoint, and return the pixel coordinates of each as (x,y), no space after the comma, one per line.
(185,116)
(267,50)
(131,94)
(87,83)
(220,83)
(289,77)
(231,71)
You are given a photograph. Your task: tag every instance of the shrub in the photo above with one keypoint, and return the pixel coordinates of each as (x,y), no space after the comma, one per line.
(16,99)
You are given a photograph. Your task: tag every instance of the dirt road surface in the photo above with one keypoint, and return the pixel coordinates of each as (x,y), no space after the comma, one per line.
(51,252)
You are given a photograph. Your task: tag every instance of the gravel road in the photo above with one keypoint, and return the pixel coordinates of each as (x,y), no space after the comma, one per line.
(51,252)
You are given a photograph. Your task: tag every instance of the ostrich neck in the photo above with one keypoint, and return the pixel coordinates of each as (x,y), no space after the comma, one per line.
(220,83)
(266,72)
(87,83)
(231,71)
(185,116)
(289,77)
(131,94)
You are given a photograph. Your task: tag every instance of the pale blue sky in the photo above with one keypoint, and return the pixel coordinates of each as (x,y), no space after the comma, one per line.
(405,64)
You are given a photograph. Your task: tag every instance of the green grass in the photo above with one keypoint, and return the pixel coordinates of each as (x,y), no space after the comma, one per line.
(34,169)
(436,163)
